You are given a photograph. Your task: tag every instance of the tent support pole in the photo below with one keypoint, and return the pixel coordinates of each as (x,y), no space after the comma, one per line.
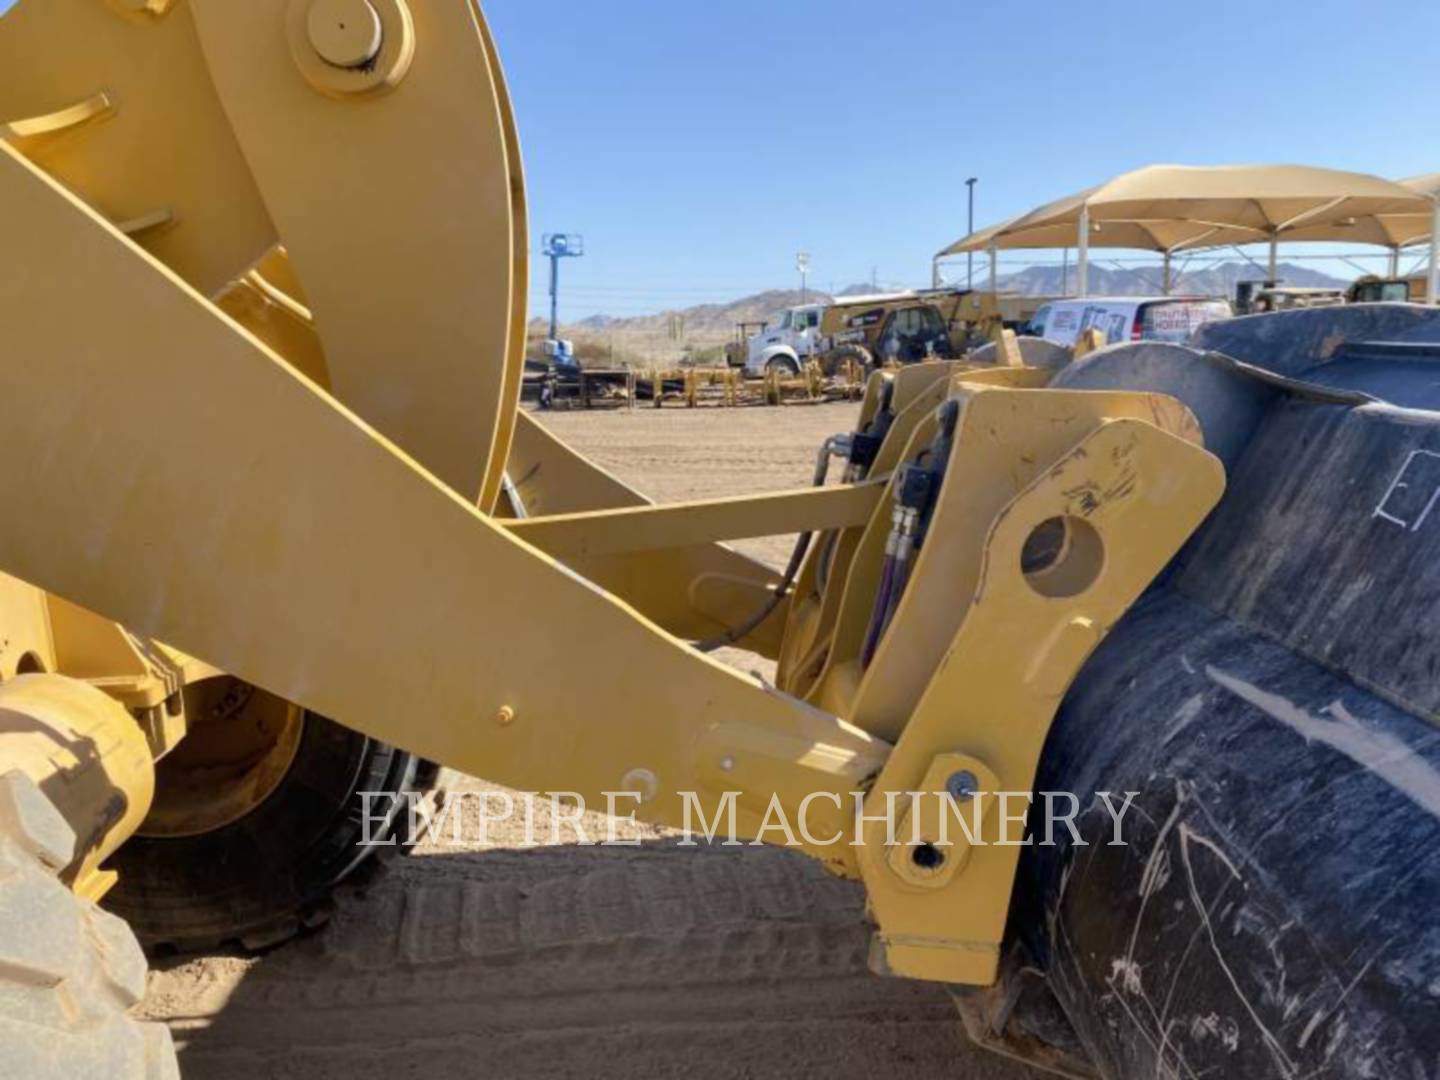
(994,268)
(1433,295)
(1165,279)
(1082,254)
(1270,275)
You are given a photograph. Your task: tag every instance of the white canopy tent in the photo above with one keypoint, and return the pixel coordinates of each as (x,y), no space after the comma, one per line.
(1169,208)
(1388,230)
(1168,238)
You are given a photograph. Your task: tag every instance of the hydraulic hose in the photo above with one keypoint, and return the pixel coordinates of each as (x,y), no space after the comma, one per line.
(792,569)
(877,614)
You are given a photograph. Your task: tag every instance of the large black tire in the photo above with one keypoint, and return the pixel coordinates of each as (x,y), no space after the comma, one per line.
(835,359)
(266,876)
(784,365)
(69,972)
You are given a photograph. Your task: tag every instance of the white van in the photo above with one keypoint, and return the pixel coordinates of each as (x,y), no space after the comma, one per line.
(1127,318)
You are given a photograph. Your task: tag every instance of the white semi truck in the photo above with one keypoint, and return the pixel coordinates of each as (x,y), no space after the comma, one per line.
(794,339)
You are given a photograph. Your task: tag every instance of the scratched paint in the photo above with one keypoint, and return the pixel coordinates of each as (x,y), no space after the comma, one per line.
(1379,751)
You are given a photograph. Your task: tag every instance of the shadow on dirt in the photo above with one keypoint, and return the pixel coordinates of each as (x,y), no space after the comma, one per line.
(653,960)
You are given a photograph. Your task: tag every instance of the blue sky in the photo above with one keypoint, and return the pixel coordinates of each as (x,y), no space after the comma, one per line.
(699,145)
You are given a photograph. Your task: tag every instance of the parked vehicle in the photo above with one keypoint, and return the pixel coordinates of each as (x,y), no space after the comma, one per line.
(1290,297)
(737,349)
(1257,297)
(889,328)
(788,344)
(1127,318)
(1371,289)
(1246,293)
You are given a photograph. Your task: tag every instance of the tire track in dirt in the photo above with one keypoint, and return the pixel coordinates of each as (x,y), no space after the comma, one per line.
(708,962)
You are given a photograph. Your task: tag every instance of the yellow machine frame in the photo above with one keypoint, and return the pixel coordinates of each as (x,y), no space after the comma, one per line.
(298,485)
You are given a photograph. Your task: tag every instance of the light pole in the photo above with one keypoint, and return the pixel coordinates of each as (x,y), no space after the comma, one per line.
(970,231)
(560,246)
(802,264)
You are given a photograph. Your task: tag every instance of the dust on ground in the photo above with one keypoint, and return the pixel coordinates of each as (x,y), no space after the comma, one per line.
(528,953)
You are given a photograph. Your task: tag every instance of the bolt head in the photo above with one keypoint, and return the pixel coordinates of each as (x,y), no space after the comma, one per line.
(345,33)
(505,716)
(962,785)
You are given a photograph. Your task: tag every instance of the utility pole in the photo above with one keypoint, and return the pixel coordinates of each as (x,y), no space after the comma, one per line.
(802,264)
(970,231)
(560,246)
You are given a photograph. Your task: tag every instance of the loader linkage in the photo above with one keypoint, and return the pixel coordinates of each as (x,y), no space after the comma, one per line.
(391,603)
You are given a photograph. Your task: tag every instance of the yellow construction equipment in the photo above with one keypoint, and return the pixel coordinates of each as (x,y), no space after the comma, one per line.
(905,328)
(279,534)
(1374,289)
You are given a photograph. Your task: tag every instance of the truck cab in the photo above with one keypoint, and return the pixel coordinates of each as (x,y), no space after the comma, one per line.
(794,339)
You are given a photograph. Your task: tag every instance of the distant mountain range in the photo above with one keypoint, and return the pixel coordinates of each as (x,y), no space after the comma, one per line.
(1106,281)
(709,318)
(699,331)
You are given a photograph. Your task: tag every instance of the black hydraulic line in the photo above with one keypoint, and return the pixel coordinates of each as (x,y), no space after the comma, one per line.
(859,450)
(792,568)
(864,445)
(916,492)
(899,580)
(877,614)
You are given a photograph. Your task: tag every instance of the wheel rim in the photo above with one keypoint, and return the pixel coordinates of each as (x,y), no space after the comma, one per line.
(241,743)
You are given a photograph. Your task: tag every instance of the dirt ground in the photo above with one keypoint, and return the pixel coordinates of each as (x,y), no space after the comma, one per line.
(542,957)
(674,453)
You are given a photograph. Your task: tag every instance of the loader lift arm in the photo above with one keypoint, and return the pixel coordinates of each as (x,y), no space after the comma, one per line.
(373,593)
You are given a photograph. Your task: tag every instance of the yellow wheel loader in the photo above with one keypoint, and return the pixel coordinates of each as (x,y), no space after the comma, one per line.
(1375,289)
(277,538)
(910,327)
